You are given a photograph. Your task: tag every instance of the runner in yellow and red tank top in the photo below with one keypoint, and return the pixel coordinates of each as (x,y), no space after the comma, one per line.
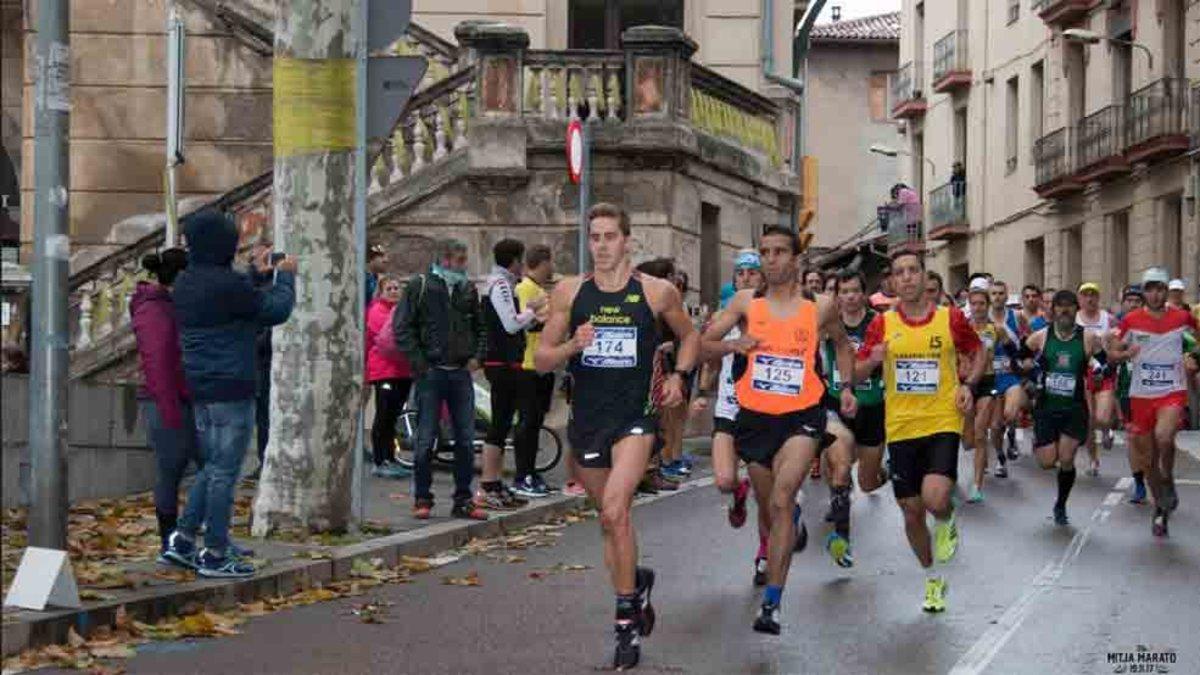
(919,345)
(781,421)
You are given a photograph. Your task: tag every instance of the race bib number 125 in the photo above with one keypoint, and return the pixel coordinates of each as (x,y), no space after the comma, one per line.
(778,374)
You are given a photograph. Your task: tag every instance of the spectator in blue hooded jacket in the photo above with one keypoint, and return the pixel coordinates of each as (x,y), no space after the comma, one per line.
(220,313)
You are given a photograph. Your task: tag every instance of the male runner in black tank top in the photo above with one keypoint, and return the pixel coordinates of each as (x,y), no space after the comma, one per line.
(605,326)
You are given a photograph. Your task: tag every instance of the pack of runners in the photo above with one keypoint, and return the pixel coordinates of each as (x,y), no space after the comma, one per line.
(800,370)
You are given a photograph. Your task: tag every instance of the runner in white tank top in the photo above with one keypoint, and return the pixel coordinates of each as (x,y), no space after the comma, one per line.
(1100,391)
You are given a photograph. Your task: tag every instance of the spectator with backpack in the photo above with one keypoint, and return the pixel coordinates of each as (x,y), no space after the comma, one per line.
(439,327)
(389,373)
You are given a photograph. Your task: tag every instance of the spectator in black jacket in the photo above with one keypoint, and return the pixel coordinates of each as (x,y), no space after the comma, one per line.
(439,327)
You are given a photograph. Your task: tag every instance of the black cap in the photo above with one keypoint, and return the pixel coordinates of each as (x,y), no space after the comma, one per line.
(1065,297)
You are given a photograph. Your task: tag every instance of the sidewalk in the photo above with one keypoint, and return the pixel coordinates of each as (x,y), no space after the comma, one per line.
(113,544)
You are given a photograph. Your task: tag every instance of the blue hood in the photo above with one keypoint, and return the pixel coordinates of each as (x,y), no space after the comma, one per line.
(212,238)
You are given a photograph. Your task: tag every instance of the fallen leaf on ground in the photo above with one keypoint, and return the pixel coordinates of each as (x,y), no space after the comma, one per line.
(74,640)
(117,651)
(91,594)
(471,579)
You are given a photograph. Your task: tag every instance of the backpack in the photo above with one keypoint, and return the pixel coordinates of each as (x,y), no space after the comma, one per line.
(385,339)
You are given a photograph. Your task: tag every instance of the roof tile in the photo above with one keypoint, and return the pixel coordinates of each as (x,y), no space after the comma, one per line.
(878,28)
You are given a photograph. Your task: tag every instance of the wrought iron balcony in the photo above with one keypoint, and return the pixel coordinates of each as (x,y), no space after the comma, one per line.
(1061,12)
(1053,168)
(1100,145)
(907,91)
(951,69)
(948,212)
(904,226)
(1157,120)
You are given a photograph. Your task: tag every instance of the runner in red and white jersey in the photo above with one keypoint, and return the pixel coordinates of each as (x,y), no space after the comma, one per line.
(1151,338)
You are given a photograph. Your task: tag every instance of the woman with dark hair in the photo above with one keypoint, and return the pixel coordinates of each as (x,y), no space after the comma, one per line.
(166,405)
(390,374)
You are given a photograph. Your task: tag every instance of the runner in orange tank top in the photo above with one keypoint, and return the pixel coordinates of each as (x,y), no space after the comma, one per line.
(781,421)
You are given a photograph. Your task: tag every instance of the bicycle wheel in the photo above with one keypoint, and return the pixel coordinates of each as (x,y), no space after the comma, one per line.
(550,450)
(406,438)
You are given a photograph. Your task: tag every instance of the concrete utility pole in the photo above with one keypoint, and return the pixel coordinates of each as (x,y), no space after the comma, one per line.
(316,372)
(52,251)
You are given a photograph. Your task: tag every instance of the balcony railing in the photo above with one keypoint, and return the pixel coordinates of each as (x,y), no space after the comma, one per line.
(951,68)
(948,211)
(1061,12)
(1053,167)
(903,224)
(1100,144)
(1157,120)
(908,90)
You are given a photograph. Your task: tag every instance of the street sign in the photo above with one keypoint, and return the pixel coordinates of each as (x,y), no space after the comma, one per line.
(575,151)
(386,22)
(391,81)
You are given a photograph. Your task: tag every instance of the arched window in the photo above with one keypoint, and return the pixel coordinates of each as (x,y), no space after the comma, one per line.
(597,24)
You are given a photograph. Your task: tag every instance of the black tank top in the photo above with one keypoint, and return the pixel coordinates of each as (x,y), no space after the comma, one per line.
(612,377)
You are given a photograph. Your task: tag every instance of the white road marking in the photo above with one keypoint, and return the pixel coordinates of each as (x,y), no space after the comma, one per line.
(981,654)
(1124,483)
(1186,481)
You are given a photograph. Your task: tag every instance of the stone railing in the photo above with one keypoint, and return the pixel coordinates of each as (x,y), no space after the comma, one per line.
(574,84)
(433,125)
(723,108)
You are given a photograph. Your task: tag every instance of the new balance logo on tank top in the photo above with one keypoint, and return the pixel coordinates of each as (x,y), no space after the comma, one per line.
(780,372)
(1157,370)
(612,376)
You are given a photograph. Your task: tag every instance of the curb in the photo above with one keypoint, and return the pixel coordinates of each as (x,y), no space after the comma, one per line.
(34,629)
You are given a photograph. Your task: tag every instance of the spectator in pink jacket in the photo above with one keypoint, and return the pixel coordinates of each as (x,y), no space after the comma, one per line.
(388,371)
(166,404)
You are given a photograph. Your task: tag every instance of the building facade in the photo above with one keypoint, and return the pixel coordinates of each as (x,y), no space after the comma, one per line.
(1072,123)
(850,64)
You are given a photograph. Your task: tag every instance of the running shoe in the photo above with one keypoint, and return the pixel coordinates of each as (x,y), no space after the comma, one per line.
(212,566)
(468,511)
(935,594)
(549,489)
(681,467)
(422,509)
(1170,498)
(240,551)
(768,619)
(976,497)
(1060,516)
(574,489)
(528,487)
(737,508)
(1137,493)
(629,646)
(180,551)
(760,571)
(672,472)
(1095,468)
(1159,525)
(1002,471)
(645,585)
(801,531)
(839,549)
(498,500)
(1013,451)
(390,470)
(945,538)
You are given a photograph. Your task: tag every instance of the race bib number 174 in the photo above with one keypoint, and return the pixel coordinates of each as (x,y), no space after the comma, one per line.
(613,347)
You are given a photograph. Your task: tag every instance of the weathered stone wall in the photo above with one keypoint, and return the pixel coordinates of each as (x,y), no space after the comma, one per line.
(118,115)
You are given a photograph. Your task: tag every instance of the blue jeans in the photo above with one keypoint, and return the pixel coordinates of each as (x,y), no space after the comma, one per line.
(173,449)
(224,429)
(456,389)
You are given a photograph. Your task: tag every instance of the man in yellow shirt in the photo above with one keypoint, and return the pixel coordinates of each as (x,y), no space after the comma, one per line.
(534,390)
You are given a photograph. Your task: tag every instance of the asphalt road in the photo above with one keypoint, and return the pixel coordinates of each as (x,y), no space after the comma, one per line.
(1025,597)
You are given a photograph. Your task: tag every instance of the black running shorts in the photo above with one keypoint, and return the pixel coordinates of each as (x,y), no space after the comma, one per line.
(867,425)
(758,436)
(723,425)
(594,451)
(911,460)
(1050,425)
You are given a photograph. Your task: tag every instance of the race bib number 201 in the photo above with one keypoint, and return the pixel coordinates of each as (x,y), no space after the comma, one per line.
(917,376)
(614,347)
(778,374)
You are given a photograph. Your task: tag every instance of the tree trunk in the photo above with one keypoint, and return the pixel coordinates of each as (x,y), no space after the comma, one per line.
(317,360)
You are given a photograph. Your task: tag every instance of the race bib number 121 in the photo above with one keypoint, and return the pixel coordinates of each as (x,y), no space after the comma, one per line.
(917,376)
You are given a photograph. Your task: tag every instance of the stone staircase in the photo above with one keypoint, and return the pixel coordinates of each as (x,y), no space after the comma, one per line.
(489,119)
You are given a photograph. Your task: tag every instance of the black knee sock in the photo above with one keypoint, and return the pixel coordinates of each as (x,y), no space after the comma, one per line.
(1139,477)
(166,525)
(839,504)
(1066,480)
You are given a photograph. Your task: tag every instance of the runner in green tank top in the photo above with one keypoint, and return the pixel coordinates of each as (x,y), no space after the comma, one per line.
(1060,417)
